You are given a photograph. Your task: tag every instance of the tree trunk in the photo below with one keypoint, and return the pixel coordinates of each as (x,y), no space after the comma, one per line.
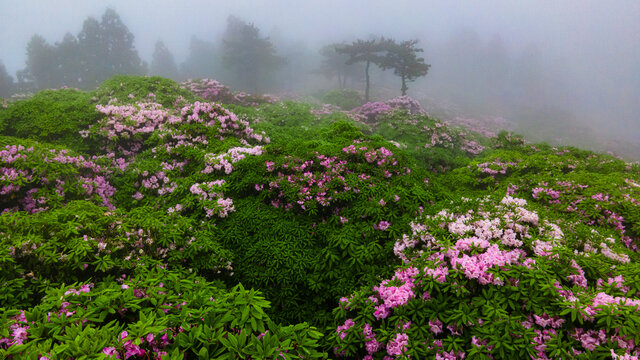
(404,86)
(366,89)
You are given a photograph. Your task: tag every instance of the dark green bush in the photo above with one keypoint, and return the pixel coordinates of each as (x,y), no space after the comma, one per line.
(151,314)
(53,116)
(82,241)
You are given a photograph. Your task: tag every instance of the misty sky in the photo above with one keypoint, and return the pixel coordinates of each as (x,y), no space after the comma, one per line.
(606,30)
(595,43)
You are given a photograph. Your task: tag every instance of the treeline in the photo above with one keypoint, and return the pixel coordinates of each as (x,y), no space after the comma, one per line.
(105,48)
(242,58)
(100,50)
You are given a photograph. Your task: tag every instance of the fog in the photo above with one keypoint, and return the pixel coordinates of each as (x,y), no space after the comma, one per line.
(554,69)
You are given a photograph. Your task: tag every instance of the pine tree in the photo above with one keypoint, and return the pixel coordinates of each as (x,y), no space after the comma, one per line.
(203,60)
(370,51)
(403,59)
(107,49)
(68,61)
(117,41)
(91,53)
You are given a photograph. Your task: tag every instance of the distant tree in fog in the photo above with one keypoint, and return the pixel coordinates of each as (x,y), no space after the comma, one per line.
(41,63)
(68,59)
(25,83)
(203,60)
(369,51)
(251,58)
(403,59)
(162,63)
(90,45)
(334,65)
(107,49)
(101,50)
(7,86)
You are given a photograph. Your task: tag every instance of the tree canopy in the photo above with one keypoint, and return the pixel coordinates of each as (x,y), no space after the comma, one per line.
(334,65)
(252,59)
(403,59)
(367,51)
(203,60)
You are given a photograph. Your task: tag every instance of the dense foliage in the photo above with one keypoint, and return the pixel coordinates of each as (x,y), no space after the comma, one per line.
(152,220)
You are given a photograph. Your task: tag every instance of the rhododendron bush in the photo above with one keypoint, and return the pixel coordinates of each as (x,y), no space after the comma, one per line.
(496,280)
(213,90)
(166,221)
(155,314)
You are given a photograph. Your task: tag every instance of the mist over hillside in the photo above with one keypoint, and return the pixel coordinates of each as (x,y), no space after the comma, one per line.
(562,72)
(565,72)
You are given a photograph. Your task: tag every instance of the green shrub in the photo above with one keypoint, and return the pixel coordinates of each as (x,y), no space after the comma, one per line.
(437,146)
(155,313)
(130,89)
(346,99)
(53,116)
(315,219)
(36,177)
(82,241)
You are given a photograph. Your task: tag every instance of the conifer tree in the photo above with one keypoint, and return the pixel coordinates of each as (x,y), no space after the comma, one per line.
(403,59)
(107,49)
(68,58)
(203,60)
(251,58)
(370,51)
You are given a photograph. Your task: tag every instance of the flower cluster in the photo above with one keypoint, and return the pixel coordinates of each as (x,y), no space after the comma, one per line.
(159,182)
(372,110)
(316,182)
(208,89)
(19,332)
(213,200)
(215,116)
(132,348)
(225,161)
(126,127)
(592,206)
(325,180)
(62,177)
(213,90)
(496,167)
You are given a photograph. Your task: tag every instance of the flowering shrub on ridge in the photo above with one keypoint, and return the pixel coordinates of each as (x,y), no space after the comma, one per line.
(471,277)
